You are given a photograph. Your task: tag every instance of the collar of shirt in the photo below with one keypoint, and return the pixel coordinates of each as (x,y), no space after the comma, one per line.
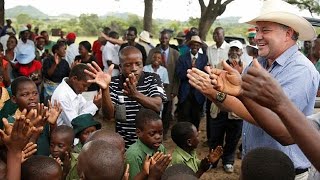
(166,52)
(68,89)
(224,45)
(194,56)
(145,148)
(282,59)
(186,156)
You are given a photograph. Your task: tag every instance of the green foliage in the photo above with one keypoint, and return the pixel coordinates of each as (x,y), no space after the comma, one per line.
(23,19)
(311,5)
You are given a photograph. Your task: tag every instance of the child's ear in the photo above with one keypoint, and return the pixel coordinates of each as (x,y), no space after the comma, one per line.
(189,142)
(138,132)
(13,99)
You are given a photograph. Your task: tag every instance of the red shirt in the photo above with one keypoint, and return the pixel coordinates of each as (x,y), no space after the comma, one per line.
(96,48)
(26,70)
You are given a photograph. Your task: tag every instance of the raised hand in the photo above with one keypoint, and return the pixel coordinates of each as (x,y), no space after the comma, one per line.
(20,134)
(215,154)
(54,112)
(200,80)
(227,80)
(28,151)
(130,86)
(56,58)
(261,87)
(157,169)
(101,78)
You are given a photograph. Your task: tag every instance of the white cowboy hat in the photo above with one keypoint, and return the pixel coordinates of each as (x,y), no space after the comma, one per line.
(145,36)
(195,39)
(283,13)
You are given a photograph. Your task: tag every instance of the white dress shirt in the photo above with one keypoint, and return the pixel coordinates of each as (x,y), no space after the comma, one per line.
(111,53)
(217,55)
(72,104)
(72,52)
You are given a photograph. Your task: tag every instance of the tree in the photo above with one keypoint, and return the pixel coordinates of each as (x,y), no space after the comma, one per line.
(1,12)
(311,5)
(23,19)
(147,17)
(209,14)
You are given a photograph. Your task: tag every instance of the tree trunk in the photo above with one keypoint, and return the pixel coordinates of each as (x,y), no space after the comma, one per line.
(209,14)
(147,18)
(1,12)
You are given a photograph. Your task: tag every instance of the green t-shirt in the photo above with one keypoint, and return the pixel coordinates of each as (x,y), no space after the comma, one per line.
(73,174)
(136,155)
(179,156)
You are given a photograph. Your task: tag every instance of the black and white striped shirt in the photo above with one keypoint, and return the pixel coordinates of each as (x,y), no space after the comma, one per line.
(150,85)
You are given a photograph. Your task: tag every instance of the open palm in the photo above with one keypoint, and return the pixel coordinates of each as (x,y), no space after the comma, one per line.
(103,79)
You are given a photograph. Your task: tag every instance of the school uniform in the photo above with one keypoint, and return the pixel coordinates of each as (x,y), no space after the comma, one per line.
(180,156)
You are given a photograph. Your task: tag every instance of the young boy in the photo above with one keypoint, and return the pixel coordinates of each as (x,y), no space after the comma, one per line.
(41,167)
(110,137)
(156,67)
(61,144)
(25,95)
(83,126)
(185,135)
(149,131)
(265,164)
(100,160)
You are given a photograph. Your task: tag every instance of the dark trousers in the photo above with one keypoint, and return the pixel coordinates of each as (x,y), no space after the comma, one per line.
(226,133)
(190,110)
(166,116)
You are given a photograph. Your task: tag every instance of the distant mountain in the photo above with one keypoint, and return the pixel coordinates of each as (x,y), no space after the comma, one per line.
(228,20)
(29,10)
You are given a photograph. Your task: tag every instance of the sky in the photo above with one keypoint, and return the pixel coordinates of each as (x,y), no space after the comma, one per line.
(163,9)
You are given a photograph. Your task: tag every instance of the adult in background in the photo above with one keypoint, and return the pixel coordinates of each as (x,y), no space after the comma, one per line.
(4,39)
(86,57)
(8,26)
(73,48)
(48,43)
(131,36)
(169,58)
(219,51)
(97,47)
(124,95)
(190,100)
(24,40)
(111,54)
(182,47)
(54,69)
(145,41)
(278,29)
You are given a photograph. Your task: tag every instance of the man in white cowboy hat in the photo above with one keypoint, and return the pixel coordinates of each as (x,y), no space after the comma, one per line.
(190,100)
(145,41)
(278,28)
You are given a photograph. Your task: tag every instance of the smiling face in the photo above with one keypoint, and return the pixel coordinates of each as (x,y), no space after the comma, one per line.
(273,39)
(194,46)
(151,134)
(27,96)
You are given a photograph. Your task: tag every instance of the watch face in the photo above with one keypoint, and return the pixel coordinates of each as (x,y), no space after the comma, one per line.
(221,96)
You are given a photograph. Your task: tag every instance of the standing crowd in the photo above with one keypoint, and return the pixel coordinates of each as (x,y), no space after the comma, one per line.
(263,92)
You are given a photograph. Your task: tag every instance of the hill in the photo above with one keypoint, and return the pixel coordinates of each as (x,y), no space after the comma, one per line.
(29,10)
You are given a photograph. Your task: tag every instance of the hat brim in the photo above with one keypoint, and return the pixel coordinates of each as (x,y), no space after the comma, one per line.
(26,60)
(191,41)
(299,24)
(145,40)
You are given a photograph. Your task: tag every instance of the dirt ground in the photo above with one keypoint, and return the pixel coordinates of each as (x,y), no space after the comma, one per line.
(202,150)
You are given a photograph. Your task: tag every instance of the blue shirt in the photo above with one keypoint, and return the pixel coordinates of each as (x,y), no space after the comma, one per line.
(299,80)
(161,71)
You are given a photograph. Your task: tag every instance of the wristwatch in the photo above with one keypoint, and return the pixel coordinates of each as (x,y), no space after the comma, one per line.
(220,96)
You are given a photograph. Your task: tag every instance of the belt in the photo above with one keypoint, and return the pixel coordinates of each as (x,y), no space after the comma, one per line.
(300,171)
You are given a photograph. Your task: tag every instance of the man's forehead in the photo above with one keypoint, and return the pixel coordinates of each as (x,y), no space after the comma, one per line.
(261,24)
